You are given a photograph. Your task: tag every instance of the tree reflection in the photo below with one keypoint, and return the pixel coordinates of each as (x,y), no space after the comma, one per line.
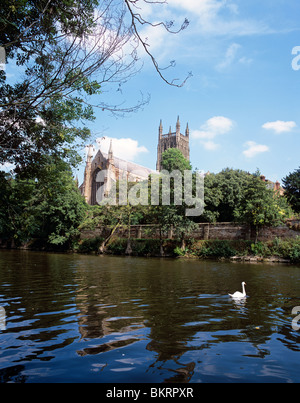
(173,319)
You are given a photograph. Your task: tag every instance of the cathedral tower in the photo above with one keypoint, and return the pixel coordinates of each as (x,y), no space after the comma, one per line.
(172,140)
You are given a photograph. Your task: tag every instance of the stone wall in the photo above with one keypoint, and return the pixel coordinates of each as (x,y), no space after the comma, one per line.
(221,230)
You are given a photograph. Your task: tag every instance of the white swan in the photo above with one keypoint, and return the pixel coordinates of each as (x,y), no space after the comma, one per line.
(238,294)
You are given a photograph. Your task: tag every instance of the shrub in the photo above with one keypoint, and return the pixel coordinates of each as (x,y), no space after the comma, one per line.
(117,246)
(179,251)
(89,245)
(214,248)
(260,249)
(294,254)
(288,248)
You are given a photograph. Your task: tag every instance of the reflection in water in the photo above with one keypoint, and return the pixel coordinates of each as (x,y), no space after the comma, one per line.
(118,319)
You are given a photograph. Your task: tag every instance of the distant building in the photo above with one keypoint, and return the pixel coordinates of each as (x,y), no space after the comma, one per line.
(273,185)
(172,140)
(103,170)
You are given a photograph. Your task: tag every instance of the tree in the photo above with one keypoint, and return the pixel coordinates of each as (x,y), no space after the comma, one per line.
(58,206)
(39,111)
(260,206)
(173,216)
(233,184)
(173,159)
(68,51)
(14,200)
(49,209)
(212,198)
(291,185)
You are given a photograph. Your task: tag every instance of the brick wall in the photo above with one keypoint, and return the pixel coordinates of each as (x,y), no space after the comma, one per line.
(221,230)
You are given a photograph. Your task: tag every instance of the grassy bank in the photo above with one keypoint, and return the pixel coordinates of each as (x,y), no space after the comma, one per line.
(275,250)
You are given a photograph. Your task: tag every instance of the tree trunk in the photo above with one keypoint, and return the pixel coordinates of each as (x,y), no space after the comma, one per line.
(256,233)
(161,249)
(103,245)
(182,242)
(128,250)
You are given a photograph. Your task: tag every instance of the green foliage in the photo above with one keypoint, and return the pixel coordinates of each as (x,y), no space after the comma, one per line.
(146,247)
(89,245)
(203,249)
(223,192)
(286,248)
(50,208)
(260,249)
(260,206)
(140,247)
(179,251)
(117,246)
(173,159)
(214,249)
(237,195)
(173,216)
(41,113)
(291,184)
(283,248)
(294,253)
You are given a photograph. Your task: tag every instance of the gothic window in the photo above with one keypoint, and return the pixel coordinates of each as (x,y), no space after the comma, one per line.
(95,186)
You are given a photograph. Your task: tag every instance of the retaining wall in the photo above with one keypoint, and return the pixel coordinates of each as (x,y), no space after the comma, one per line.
(221,230)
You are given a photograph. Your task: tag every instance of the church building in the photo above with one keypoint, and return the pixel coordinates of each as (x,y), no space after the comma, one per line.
(172,140)
(104,170)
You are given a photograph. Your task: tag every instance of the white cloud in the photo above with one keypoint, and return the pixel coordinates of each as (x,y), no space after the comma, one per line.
(156,39)
(210,145)
(124,148)
(245,60)
(208,21)
(208,18)
(213,127)
(231,57)
(279,126)
(254,149)
(202,8)
(216,17)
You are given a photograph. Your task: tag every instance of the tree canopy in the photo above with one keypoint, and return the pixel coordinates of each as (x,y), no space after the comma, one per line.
(49,209)
(291,184)
(173,159)
(260,206)
(66,52)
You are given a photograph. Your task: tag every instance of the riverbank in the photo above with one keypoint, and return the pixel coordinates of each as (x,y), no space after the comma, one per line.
(273,251)
(277,250)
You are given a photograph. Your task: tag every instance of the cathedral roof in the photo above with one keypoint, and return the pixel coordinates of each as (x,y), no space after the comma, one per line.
(130,167)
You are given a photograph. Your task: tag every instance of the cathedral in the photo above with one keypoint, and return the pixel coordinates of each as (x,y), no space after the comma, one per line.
(172,140)
(103,170)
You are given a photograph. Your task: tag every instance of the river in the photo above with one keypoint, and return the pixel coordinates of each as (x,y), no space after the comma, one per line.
(82,318)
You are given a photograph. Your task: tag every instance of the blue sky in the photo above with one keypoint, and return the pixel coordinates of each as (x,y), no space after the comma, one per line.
(242,102)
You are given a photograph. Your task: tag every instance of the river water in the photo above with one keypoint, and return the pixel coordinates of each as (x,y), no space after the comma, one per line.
(80,318)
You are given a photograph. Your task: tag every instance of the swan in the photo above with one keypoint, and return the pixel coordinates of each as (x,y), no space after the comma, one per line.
(238,294)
